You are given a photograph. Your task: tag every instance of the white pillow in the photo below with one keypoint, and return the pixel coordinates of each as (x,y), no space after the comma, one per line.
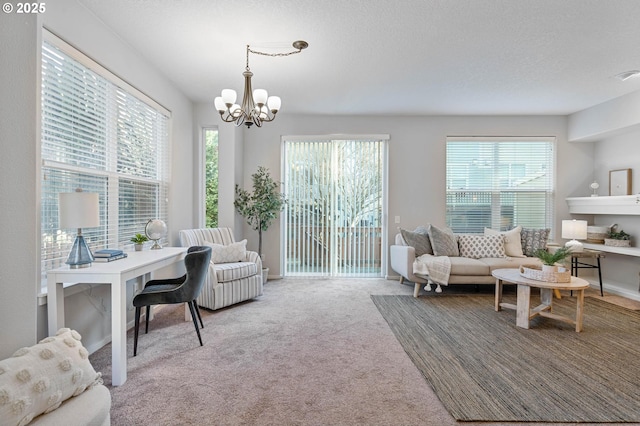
(39,378)
(234,252)
(481,246)
(512,240)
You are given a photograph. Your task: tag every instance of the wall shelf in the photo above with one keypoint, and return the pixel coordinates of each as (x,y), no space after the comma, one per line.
(626,251)
(615,205)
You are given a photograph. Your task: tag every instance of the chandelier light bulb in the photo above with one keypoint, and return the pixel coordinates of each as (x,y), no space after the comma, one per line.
(274,103)
(235,110)
(260,97)
(219,104)
(229,96)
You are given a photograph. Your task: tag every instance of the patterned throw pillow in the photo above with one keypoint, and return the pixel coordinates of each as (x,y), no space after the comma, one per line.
(234,252)
(512,240)
(39,378)
(533,240)
(443,241)
(479,246)
(418,240)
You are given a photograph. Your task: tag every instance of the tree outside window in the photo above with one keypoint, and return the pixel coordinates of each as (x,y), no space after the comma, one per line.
(211,177)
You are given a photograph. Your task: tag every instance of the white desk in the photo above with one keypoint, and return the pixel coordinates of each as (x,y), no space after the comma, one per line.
(116,274)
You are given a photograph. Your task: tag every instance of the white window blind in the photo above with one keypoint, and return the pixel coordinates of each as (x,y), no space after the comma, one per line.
(499,183)
(101,135)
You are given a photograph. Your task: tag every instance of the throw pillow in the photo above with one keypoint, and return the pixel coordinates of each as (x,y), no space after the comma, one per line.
(234,252)
(512,240)
(443,241)
(479,246)
(534,240)
(418,240)
(39,378)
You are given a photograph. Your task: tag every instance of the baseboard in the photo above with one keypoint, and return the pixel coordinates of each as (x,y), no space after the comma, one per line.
(614,288)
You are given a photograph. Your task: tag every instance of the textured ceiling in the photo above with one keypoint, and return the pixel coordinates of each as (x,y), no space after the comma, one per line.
(392,57)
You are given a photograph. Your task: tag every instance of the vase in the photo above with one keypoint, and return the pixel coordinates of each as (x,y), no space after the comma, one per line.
(551,269)
(265,275)
(139,247)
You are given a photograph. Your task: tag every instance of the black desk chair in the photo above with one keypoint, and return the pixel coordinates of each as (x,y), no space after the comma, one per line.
(175,290)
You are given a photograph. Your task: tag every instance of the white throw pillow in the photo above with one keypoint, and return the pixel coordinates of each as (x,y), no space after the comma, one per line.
(234,252)
(39,378)
(481,246)
(512,240)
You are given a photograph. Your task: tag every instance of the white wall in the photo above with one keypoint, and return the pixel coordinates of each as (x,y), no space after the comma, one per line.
(19,217)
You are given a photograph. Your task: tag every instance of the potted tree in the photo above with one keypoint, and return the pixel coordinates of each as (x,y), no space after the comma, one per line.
(138,240)
(261,206)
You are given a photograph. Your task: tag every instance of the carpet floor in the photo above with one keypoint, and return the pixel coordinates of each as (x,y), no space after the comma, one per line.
(484,368)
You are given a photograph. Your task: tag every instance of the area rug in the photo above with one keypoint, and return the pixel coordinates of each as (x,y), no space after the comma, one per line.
(484,368)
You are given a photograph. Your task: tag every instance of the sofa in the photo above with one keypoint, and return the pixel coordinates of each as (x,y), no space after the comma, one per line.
(472,257)
(53,383)
(235,273)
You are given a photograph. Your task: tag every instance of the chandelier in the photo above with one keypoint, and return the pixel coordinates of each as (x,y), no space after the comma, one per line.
(257,106)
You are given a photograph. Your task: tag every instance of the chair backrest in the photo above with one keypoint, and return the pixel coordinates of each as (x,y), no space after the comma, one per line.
(196,263)
(197,237)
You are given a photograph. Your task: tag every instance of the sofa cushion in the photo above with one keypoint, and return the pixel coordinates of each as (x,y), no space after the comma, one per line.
(533,240)
(443,241)
(512,240)
(477,246)
(233,252)
(468,266)
(419,240)
(39,378)
(226,272)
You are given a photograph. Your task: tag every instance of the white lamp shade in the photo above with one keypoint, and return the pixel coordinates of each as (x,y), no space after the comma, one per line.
(78,210)
(274,103)
(219,104)
(574,229)
(260,96)
(229,96)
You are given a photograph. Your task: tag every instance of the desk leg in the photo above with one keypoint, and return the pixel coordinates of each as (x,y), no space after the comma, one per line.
(579,309)
(119,332)
(55,305)
(523,306)
(498,300)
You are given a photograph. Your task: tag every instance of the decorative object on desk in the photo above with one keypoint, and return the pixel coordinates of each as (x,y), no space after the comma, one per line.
(262,206)
(574,230)
(538,273)
(107,253)
(110,258)
(594,188)
(156,230)
(617,238)
(138,240)
(596,234)
(79,210)
(550,258)
(620,182)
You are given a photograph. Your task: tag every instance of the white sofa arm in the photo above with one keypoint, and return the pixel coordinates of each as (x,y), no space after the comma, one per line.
(254,257)
(402,258)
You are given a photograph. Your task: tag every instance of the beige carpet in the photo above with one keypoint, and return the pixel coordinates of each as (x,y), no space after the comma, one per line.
(307,352)
(618,301)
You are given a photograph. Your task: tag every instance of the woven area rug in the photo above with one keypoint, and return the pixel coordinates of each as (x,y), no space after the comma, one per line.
(484,368)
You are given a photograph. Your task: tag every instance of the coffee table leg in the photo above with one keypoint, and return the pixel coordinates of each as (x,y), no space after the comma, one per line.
(546,298)
(579,309)
(498,299)
(523,307)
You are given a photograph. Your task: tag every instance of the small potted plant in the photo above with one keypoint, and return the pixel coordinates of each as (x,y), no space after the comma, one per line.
(549,259)
(139,240)
(617,238)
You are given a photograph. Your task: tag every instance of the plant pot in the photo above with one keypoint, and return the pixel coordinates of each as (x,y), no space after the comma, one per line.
(617,243)
(549,269)
(138,247)
(265,275)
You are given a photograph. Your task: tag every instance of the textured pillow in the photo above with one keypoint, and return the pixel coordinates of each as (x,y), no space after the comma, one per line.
(443,241)
(534,240)
(512,240)
(39,378)
(234,252)
(479,246)
(418,240)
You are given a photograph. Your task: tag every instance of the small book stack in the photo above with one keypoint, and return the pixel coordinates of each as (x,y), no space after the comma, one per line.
(108,255)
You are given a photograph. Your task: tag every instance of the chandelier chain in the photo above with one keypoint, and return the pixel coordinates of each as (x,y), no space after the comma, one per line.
(257,52)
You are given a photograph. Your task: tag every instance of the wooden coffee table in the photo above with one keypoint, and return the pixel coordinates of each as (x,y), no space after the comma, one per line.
(524,311)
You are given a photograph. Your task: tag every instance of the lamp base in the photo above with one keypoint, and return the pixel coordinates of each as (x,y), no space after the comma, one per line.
(575,246)
(80,255)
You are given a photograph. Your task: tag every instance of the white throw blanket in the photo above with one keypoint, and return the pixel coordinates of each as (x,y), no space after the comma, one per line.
(433,268)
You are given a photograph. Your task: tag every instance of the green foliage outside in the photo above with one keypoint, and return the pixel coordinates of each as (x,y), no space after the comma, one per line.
(211,178)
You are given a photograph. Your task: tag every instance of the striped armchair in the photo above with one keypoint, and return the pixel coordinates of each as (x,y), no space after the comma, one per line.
(227,283)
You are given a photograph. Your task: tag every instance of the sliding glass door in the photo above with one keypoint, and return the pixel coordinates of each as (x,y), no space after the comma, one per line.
(336,195)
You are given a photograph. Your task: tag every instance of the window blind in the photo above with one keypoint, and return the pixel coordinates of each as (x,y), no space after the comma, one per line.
(101,135)
(499,183)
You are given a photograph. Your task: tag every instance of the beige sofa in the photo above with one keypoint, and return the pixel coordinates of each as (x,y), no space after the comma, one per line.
(235,274)
(464,270)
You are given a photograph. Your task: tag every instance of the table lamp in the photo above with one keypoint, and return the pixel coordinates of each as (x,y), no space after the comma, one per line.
(574,230)
(79,210)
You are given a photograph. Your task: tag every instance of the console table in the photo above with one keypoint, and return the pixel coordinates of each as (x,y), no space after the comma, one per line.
(116,274)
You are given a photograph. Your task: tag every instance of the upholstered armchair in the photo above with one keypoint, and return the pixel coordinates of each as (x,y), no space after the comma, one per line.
(234,275)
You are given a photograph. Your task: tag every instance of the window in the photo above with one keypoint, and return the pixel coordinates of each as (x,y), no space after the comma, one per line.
(101,135)
(211,177)
(499,183)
